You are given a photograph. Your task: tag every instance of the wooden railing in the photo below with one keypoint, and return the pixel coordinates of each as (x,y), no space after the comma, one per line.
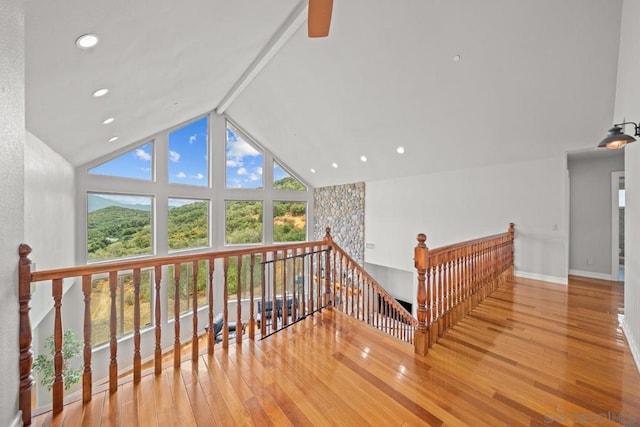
(360,296)
(275,285)
(453,279)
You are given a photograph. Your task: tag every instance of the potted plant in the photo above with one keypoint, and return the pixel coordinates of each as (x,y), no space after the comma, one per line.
(71,347)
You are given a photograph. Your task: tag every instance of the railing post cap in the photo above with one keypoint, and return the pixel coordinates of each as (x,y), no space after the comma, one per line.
(24,250)
(327,232)
(422,238)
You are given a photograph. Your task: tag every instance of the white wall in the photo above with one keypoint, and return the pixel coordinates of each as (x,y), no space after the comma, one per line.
(628,105)
(49,191)
(12,137)
(590,223)
(399,283)
(459,205)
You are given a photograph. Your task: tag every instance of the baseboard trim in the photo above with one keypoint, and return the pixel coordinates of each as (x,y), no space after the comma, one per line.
(17,421)
(542,277)
(633,345)
(593,275)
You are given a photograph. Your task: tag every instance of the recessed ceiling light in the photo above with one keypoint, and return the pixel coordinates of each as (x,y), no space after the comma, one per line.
(108,121)
(313,170)
(363,158)
(400,150)
(456,58)
(87,41)
(113,139)
(100,92)
(335,165)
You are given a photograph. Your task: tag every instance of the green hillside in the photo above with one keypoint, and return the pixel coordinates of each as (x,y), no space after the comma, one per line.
(188,226)
(115,232)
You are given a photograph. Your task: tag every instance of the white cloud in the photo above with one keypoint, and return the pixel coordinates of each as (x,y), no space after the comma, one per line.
(174,156)
(255,177)
(193,139)
(181,175)
(197,176)
(242,171)
(259,170)
(233,163)
(142,155)
(241,149)
(145,169)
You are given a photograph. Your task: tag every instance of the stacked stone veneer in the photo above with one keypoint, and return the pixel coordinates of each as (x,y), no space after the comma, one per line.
(341,207)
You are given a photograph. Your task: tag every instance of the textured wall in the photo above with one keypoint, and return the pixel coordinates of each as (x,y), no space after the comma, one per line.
(12,137)
(341,207)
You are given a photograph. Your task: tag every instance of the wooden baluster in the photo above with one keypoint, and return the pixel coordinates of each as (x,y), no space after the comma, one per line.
(263,295)
(319,287)
(239,302)
(333,279)
(25,339)
(285,309)
(211,339)
(113,342)
(252,319)
(157,276)
(195,350)
(137,366)
(86,374)
(327,268)
(58,361)
(421,263)
(303,307)
(311,280)
(225,303)
(512,233)
(274,306)
(447,293)
(176,319)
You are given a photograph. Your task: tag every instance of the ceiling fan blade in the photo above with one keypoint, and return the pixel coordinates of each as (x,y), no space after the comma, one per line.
(319,19)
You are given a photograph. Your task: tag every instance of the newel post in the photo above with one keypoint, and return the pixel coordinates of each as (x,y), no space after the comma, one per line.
(328,240)
(512,235)
(421,260)
(26,356)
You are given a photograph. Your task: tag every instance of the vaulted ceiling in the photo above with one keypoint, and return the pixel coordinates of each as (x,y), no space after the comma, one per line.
(458,83)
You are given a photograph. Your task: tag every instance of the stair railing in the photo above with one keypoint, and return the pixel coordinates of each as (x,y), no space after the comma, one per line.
(454,279)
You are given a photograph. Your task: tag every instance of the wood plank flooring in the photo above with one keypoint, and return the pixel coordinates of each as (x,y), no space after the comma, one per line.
(532,354)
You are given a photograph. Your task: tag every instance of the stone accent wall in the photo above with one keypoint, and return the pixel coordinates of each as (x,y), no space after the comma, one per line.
(341,207)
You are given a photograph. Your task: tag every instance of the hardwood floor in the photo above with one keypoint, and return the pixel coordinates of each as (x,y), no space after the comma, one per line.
(533,353)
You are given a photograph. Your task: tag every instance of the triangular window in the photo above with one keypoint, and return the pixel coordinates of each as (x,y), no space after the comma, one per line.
(136,164)
(244,161)
(283,180)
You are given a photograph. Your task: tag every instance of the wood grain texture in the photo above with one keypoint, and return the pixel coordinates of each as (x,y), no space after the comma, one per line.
(530,354)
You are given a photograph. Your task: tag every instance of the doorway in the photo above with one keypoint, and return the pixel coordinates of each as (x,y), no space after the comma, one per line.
(617,225)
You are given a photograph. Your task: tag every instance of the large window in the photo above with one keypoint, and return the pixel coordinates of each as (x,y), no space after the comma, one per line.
(243,222)
(125,301)
(135,164)
(118,226)
(244,161)
(289,221)
(188,224)
(245,275)
(188,154)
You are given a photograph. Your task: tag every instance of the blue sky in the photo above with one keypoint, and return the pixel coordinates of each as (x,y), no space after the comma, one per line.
(134,164)
(244,162)
(188,154)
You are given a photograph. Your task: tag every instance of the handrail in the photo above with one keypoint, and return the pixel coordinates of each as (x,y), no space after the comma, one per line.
(357,294)
(454,279)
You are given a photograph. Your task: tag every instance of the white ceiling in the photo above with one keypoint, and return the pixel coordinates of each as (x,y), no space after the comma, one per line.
(535,78)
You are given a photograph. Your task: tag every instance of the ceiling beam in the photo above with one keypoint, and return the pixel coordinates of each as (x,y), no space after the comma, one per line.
(297,17)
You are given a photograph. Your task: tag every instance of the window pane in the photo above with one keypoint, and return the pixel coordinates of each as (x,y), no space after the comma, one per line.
(188,154)
(282,180)
(185,288)
(135,164)
(243,222)
(188,224)
(244,161)
(118,226)
(125,299)
(289,221)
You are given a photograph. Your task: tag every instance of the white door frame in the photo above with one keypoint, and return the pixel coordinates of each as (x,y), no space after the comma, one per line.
(615,226)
